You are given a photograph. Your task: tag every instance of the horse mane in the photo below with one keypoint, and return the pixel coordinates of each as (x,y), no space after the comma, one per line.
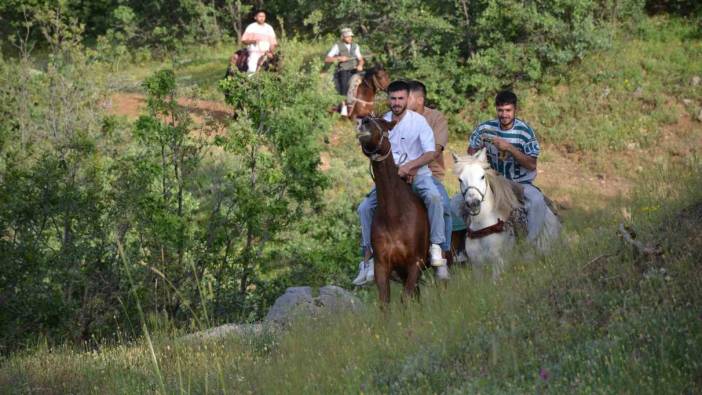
(370,73)
(505,198)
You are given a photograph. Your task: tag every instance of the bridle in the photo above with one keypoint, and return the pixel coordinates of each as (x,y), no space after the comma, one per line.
(465,192)
(374,84)
(374,154)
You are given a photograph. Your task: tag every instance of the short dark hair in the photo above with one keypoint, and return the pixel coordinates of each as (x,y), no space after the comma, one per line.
(505,97)
(260,10)
(398,85)
(417,86)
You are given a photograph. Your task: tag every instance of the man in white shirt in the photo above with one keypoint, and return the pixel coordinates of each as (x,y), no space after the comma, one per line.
(260,38)
(349,61)
(413,147)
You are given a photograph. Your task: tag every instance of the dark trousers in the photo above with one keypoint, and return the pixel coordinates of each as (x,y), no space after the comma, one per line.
(341,79)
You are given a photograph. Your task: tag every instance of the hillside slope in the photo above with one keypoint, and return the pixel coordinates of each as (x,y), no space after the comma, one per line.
(621,145)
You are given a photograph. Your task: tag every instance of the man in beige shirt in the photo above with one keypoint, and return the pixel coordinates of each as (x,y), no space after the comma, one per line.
(439,126)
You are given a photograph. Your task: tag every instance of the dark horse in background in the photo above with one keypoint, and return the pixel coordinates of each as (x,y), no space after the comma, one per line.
(361,95)
(400,230)
(238,62)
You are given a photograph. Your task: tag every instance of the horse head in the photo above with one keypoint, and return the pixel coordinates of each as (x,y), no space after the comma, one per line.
(380,77)
(471,171)
(373,134)
(270,62)
(480,183)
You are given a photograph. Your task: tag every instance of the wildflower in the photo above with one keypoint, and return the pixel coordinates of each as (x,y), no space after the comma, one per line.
(544,374)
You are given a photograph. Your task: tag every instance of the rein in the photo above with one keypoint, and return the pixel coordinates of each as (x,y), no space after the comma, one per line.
(480,233)
(374,155)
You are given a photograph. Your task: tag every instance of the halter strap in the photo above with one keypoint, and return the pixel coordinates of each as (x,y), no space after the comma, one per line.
(374,155)
(480,233)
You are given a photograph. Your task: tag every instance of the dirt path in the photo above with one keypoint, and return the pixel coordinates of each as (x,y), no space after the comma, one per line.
(131,105)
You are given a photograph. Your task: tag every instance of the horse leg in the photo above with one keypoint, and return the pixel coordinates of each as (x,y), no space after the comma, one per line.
(382,280)
(411,289)
(458,246)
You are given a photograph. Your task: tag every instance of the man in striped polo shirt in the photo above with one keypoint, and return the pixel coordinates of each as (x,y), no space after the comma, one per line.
(517,141)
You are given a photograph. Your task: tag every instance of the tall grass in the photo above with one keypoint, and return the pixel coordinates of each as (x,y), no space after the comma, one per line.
(589,317)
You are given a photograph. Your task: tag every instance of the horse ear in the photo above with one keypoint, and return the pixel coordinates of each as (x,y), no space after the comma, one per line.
(391,124)
(455,157)
(481,155)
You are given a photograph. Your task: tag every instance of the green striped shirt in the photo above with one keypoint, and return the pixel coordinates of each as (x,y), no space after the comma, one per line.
(521,136)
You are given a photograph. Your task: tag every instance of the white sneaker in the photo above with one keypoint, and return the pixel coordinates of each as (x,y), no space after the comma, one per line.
(361,277)
(344,110)
(442,273)
(436,258)
(370,272)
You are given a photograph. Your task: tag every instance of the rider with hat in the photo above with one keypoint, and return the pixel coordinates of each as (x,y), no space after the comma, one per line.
(349,60)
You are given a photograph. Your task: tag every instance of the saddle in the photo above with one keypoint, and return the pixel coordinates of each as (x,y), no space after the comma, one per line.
(516,222)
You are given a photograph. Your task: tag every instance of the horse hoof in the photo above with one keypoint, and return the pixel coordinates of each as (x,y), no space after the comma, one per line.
(442,273)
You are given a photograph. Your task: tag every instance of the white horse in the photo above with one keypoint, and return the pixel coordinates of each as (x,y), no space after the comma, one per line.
(489,204)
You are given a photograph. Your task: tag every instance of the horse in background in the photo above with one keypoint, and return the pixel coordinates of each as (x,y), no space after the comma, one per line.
(400,230)
(238,62)
(362,90)
(491,207)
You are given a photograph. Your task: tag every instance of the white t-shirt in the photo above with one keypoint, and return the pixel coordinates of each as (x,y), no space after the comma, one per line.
(335,51)
(262,34)
(411,138)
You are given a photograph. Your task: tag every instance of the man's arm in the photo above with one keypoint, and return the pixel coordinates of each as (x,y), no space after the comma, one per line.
(529,162)
(334,56)
(361,61)
(426,140)
(440,129)
(409,169)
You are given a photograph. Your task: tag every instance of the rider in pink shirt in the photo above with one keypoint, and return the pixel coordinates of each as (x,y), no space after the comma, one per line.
(260,38)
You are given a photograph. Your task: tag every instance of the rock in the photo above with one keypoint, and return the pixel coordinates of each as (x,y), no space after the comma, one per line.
(699,116)
(696,80)
(687,102)
(605,93)
(298,302)
(335,299)
(226,330)
(295,300)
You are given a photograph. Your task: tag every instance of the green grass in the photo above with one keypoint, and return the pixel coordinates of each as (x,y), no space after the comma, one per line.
(564,322)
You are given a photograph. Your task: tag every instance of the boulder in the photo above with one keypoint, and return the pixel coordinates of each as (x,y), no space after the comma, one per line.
(295,301)
(226,330)
(333,299)
(298,302)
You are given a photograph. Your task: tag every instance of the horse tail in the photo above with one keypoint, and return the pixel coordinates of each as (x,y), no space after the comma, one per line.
(549,232)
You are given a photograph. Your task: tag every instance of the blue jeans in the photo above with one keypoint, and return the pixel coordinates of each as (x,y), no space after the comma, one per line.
(535,206)
(426,188)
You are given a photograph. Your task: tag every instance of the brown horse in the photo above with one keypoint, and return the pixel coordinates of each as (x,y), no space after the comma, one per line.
(362,101)
(400,230)
(239,62)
